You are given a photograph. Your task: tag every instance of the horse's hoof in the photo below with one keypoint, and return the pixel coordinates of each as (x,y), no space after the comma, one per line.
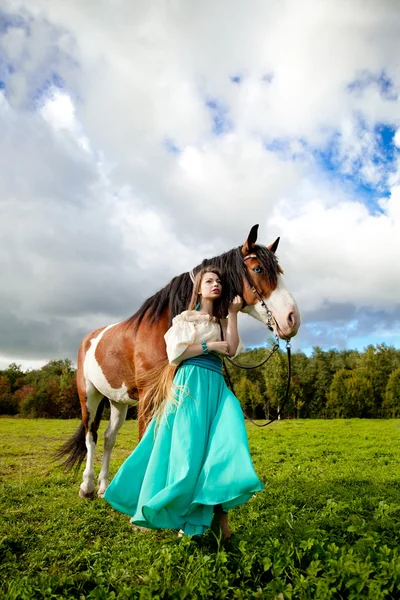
(86,495)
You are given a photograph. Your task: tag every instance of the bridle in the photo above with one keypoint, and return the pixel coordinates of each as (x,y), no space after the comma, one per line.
(270,318)
(270,321)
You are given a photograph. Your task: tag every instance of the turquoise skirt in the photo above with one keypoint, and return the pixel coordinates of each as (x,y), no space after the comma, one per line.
(195,457)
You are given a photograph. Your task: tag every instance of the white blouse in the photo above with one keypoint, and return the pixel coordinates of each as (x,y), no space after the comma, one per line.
(191,327)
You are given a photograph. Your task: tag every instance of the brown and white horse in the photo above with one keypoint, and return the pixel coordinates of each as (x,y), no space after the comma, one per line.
(111,358)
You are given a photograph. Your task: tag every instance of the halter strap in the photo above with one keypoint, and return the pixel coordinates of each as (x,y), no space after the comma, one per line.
(250,256)
(270,318)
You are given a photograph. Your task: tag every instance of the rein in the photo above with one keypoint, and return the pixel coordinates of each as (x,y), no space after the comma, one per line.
(289,375)
(269,323)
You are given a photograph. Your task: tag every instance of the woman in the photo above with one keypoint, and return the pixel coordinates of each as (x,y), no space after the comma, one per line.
(194,458)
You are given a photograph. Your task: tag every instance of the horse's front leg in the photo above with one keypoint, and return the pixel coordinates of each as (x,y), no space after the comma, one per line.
(117,419)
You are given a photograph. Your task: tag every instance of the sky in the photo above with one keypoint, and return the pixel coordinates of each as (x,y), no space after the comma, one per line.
(138,138)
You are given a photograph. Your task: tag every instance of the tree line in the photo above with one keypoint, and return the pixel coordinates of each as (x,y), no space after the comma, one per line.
(326,384)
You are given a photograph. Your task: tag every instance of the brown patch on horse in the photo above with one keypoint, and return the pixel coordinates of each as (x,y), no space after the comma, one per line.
(150,338)
(266,281)
(265,285)
(80,376)
(115,356)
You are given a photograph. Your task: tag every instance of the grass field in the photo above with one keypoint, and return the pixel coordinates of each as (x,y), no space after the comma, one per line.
(327,524)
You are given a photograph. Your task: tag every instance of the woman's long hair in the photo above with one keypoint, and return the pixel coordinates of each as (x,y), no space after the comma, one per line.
(156,386)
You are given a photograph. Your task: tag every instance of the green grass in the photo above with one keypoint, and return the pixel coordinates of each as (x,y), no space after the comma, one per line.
(326,525)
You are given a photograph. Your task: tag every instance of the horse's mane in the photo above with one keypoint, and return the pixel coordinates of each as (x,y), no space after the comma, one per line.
(175,296)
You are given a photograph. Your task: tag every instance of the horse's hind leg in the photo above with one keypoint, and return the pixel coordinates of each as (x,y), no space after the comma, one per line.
(91,420)
(117,419)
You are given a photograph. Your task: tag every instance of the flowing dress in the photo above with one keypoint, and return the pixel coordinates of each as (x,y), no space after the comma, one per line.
(196,455)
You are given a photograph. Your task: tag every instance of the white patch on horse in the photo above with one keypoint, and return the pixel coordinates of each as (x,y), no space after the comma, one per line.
(94,374)
(117,419)
(283,308)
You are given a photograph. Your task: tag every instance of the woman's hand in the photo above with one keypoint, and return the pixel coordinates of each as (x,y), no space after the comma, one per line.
(235,305)
(220,347)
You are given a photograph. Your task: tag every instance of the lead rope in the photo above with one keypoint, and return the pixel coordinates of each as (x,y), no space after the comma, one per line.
(248,367)
(286,396)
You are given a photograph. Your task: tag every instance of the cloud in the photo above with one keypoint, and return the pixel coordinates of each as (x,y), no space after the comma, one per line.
(343,326)
(138,139)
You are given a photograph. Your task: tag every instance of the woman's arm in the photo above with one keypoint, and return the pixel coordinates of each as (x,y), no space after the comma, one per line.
(197,350)
(231,331)
(180,340)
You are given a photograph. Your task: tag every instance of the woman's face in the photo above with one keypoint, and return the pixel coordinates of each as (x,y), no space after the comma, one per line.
(211,287)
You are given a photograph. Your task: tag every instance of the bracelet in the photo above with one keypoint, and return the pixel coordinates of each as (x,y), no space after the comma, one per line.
(204,346)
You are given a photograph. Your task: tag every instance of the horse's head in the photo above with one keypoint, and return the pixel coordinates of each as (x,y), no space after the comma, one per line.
(263,288)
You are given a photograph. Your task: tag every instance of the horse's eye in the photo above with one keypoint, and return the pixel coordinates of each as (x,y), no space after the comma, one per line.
(257,270)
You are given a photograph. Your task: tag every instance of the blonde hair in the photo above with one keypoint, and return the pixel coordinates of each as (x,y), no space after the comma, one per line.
(156,386)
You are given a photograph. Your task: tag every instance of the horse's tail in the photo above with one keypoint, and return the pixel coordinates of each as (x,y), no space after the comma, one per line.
(74,450)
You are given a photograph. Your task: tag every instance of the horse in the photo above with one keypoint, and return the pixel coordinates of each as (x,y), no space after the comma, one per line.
(112,358)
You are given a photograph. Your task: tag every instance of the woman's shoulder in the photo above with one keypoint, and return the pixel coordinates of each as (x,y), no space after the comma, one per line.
(193,316)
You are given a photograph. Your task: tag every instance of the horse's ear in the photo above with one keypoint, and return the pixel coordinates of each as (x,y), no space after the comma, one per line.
(274,246)
(251,240)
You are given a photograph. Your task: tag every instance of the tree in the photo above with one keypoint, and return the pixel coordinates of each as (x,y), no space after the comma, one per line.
(297,395)
(15,376)
(248,393)
(391,402)
(8,405)
(360,394)
(11,379)
(275,377)
(23,398)
(301,391)
(351,395)
(378,362)
(321,374)
(41,400)
(336,395)
(67,401)
(52,391)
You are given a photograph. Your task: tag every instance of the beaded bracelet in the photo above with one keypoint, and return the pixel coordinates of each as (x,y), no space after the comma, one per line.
(204,346)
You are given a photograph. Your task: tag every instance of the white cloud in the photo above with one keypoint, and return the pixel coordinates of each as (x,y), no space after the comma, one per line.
(59,111)
(344,253)
(397,138)
(100,209)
